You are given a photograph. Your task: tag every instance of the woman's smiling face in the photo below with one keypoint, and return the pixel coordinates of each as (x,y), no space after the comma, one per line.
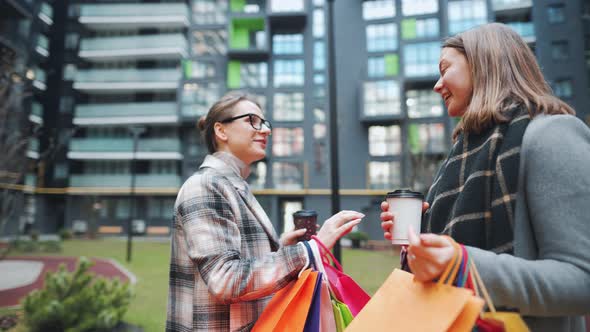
(454,85)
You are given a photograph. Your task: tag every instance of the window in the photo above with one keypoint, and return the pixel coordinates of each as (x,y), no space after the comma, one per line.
(381,98)
(246,6)
(198,69)
(423,103)
(71,40)
(319,89)
(286,6)
(210,42)
(163,166)
(287,175)
(66,104)
(197,98)
(563,88)
(556,13)
(466,14)
(288,73)
(376,9)
(69,72)
(287,44)
(60,171)
(257,177)
(319,28)
(421,59)
(319,56)
(160,208)
(288,106)
(384,174)
(123,208)
(247,74)
(381,37)
(384,141)
(318,3)
(381,66)
(424,28)
(426,138)
(560,50)
(422,171)
(524,29)
(209,11)
(287,142)
(419,7)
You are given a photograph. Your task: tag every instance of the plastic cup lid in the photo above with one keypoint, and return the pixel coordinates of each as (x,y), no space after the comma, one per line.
(405,193)
(305,213)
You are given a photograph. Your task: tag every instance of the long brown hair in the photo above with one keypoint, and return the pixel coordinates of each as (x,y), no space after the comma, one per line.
(221,110)
(505,74)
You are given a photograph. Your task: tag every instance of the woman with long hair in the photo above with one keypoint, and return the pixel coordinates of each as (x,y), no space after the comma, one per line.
(226,258)
(515,186)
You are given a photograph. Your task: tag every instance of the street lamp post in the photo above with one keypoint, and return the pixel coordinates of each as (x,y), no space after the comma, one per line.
(135,132)
(334,170)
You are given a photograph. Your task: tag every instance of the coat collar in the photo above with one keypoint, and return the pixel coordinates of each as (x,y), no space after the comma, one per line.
(236,172)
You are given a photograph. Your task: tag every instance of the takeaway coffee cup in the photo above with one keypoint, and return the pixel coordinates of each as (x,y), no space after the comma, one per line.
(305,219)
(406,207)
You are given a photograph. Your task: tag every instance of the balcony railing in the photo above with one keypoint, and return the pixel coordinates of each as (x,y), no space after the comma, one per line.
(33,148)
(124,180)
(36,113)
(126,113)
(46,13)
(40,79)
(166,46)
(97,80)
(42,45)
(122,148)
(117,16)
(504,5)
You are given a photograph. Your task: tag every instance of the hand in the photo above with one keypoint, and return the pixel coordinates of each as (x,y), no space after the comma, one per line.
(337,226)
(290,238)
(387,218)
(428,255)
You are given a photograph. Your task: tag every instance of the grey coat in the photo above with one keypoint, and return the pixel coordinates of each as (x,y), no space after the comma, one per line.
(548,278)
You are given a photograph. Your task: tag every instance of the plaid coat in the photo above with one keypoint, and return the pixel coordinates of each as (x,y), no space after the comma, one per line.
(226,261)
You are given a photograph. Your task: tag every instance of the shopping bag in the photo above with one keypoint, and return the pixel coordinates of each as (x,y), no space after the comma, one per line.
(327,317)
(408,305)
(343,286)
(289,307)
(511,321)
(312,322)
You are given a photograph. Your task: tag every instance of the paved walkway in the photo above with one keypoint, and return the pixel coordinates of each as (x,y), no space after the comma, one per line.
(21,275)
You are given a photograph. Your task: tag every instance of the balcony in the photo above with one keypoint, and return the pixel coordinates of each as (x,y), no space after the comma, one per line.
(248,38)
(287,13)
(512,6)
(123,181)
(134,16)
(33,148)
(380,101)
(126,80)
(36,115)
(165,46)
(46,13)
(126,113)
(42,46)
(122,149)
(39,79)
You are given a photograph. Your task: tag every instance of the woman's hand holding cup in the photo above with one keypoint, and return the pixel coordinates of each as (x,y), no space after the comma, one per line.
(387,219)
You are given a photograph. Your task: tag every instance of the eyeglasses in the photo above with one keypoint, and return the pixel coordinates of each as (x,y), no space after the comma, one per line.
(255,121)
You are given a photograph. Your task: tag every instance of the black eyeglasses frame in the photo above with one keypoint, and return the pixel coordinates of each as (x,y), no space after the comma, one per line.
(250,115)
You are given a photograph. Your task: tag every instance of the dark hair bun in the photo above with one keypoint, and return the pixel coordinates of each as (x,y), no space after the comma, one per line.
(201,123)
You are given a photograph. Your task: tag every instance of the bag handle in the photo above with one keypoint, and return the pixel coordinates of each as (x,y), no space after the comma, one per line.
(450,272)
(479,284)
(326,252)
(310,255)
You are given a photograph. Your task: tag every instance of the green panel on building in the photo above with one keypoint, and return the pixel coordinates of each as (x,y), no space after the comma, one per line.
(187,68)
(391,64)
(409,28)
(414,138)
(240,31)
(237,5)
(234,79)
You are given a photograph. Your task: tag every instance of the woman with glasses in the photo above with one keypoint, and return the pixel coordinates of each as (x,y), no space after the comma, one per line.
(226,259)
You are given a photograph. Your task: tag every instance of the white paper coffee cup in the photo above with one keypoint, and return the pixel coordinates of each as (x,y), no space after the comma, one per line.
(406,207)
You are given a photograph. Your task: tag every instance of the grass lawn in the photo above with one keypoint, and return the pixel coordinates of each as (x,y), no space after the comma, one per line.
(150,266)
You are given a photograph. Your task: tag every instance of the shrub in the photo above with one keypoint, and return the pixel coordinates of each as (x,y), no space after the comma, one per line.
(65,234)
(50,246)
(34,235)
(76,301)
(357,238)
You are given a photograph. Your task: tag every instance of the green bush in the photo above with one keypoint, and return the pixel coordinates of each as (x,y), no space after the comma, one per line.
(34,235)
(76,302)
(65,234)
(357,238)
(36,246)
(50,246)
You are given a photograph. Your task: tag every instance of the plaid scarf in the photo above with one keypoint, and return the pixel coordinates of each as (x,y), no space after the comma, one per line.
(473,196)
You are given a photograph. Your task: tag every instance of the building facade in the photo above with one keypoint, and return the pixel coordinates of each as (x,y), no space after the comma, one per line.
(150,69)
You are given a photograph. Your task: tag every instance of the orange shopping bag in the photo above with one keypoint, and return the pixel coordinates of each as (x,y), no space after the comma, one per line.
(288,308)
(404,304)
